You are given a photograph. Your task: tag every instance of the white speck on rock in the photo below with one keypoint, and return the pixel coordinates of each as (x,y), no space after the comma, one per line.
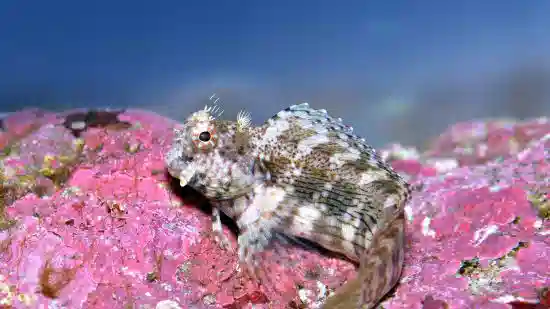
(167,304)
(426,231)
(409,212)
(482,234)
(78,125)
(537,224)
(303,295)
(506,299)
(167,287)
(322,289)
(443,165)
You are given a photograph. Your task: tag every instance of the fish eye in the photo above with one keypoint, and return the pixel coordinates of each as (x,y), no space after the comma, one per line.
(205,136)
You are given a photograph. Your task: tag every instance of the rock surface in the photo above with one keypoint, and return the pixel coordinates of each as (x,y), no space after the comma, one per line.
(90,219)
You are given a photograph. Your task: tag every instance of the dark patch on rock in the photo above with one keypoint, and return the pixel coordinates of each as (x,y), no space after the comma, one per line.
(81,121)
(430,302)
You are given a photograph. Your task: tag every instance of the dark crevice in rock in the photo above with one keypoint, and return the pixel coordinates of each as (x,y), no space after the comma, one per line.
(190,196)
(524,305)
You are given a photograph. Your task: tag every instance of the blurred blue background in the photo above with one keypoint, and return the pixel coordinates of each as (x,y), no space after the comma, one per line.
(396,70)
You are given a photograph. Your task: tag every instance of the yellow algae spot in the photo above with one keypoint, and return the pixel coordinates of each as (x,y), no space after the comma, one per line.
(6,295)
(26,299)
(79,144)
(132,147)
(57,169)
(47,169)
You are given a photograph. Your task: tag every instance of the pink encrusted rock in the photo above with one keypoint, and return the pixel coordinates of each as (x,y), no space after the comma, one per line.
(21,123)
(481,141)
(118,232)
(38,161)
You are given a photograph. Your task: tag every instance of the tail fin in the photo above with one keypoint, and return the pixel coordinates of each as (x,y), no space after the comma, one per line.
(379,270)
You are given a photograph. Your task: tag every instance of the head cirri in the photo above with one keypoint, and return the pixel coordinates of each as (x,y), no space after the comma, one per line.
(207,154)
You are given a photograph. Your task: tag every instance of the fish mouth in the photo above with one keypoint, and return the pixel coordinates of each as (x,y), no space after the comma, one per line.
(187,175)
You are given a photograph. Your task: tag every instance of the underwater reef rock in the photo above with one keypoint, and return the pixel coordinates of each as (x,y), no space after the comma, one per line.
(89,218)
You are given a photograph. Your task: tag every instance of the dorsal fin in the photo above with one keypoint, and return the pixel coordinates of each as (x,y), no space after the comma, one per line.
(322,123)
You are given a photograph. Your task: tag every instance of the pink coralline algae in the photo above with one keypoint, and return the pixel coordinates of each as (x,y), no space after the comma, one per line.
(89,218)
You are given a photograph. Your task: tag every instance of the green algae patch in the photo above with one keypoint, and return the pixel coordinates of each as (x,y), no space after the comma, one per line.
(5,222)
(482,280)
(539,200)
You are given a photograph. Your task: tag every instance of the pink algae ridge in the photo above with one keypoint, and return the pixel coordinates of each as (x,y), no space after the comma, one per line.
(90,219)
